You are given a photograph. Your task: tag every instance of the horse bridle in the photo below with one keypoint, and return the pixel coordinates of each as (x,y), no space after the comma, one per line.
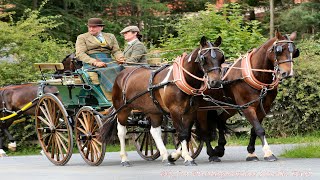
(200,58)
(277,48)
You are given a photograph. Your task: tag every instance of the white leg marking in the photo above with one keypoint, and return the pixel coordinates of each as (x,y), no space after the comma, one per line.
(252,155)
(12,146)
(156,134)
(177,154)
(185,152)
(122,131)
(2,153)
(266,149)
(166,79)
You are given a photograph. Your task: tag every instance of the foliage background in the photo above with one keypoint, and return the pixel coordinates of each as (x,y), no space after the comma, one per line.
(48,31)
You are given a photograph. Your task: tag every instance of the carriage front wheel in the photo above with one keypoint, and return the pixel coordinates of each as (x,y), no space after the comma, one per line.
(87,126)
(53,129)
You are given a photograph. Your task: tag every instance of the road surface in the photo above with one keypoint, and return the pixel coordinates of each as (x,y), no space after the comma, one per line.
(233,166)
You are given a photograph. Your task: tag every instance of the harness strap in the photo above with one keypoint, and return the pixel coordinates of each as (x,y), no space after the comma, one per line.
(180,80)
(24,108)
(158,86)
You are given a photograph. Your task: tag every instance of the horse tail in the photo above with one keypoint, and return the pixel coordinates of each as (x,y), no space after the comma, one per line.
(109,128)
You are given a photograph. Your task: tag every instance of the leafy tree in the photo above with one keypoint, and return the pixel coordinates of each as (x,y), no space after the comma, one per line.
(28,42)
(304,18)
(237,36)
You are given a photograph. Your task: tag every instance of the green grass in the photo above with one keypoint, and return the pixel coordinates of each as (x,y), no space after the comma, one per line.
(303,151)
(298,139)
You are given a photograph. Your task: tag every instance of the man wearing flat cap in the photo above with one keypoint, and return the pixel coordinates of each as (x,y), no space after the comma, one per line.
(94,49)
(135,51)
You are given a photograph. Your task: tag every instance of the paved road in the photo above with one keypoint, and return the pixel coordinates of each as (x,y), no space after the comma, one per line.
(233,166)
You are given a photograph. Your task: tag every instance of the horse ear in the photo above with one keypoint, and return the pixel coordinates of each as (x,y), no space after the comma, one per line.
(293,36)
(203,41)
(278,34)
(218,41)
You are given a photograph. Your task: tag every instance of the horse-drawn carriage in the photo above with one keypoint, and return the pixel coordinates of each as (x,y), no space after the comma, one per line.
(81,106)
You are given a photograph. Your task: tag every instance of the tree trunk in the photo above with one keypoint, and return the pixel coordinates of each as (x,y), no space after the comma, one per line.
(34,4)
(271,18)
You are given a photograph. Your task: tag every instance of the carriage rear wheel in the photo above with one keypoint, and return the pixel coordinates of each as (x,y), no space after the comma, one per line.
(53,129)
(145,145)
(87,126)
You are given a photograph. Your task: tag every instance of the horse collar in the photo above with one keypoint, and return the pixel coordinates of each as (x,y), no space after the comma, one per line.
(180,79)
(249,78)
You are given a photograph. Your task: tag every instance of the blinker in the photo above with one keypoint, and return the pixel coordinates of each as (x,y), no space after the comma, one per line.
(278,49)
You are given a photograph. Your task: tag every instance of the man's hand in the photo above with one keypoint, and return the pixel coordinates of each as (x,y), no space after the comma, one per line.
(99,64)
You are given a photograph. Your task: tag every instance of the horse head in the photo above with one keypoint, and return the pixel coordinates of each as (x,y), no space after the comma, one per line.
(210,58)
(282,53)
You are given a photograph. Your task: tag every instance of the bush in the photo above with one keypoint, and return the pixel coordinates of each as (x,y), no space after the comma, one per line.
(237,35)
(297,106)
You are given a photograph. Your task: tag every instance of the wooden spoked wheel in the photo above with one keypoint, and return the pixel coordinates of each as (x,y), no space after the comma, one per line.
(53,129)
(86,133)
(194,146)
(145,145)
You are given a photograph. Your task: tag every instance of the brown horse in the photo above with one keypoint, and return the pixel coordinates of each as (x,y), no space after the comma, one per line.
(18,101)
(169,90)
(250,86)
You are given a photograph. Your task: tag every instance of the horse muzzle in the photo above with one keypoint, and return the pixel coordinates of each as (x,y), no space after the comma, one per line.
(214,84)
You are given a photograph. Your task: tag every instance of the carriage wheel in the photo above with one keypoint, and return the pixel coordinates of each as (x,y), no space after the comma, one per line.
(194,146)
(86,131)
(53,129)
(145,145)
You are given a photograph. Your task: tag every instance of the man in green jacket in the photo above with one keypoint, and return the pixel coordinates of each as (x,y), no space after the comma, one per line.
(135,51)
(94,49)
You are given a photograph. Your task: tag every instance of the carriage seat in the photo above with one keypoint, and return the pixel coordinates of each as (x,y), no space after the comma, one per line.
(59,79)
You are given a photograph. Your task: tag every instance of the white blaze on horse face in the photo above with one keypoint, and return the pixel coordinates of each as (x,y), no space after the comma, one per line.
(156,134)
(166,79)
(122,131)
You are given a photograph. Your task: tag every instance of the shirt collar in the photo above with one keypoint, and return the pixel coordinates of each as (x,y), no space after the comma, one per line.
(132,41)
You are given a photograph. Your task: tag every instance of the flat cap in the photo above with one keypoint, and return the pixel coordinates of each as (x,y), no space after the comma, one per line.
(130,28)
(95,22)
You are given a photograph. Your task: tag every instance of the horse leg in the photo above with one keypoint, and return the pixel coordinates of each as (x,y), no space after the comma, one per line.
(251,115)
(2,152)
(12,146)
(206,130)
(122,131)
(155,131)
(251,147)
(183,124)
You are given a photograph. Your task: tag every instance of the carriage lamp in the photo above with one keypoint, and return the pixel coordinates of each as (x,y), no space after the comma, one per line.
(68,79)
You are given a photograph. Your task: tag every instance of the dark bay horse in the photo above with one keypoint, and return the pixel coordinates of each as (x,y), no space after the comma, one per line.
(251,85)
(171,90)
(18,101)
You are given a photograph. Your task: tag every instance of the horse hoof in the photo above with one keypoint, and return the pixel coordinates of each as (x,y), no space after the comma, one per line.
(171,159)
(214,159)
(254,159)
(190,163)
(271,158)
(125,164)
(168,163)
